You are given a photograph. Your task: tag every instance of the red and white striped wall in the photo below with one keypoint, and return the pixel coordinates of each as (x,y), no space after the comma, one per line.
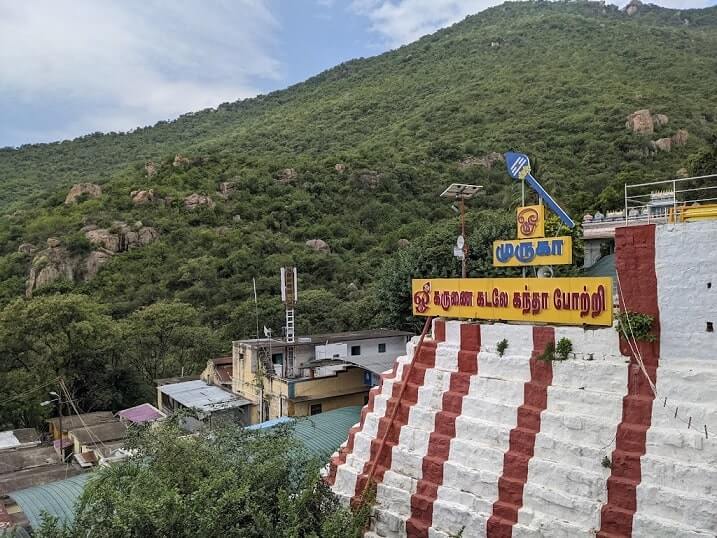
(500,446)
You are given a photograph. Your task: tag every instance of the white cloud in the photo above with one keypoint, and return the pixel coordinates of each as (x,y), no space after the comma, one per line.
(403,21)
(124,64)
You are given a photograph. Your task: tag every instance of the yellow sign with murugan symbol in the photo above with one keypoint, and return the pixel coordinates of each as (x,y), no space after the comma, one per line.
(563,301)
(531,221)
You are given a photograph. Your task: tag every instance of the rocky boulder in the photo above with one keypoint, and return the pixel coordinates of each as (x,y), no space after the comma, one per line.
(121,237)
(682,172)
(319,245)
(181,161)
(633,7)
(93,262)
(641,122)
(340,168)
(142,197)
(53,242)
(194,201)
(226,189)
(680,137)
(486,161)
(663,144)
(403,243)
(26,249)
(150,169)
(660,119)
(49,265)
(88,190)
(287,175)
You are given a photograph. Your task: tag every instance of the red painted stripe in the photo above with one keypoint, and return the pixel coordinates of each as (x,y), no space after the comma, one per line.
(343,452)
(522,439)
(439,330)
(635,263)
(439,443)
(382,453)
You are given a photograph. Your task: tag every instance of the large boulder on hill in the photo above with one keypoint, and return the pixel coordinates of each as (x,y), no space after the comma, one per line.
(633,7)
(663,144)
(121,237)
(150,169)
(93,262)
(660,119)
(49,265)
(26,248)
(194,201)
(369,179)
(340,168)
(88,190)
(640,122)
(319,245)
(226,189)
(680,137)
(180,161)
(142,197)
(486,161)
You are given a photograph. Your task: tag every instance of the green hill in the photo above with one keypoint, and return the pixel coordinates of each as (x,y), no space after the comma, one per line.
(370,144)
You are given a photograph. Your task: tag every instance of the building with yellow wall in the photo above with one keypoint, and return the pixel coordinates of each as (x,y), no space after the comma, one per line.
(328,371)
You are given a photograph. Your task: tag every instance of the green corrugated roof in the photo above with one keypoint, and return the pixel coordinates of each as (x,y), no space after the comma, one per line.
(322,434)
(605,266)
(57,499)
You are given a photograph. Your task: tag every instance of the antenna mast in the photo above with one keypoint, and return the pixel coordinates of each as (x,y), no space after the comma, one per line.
(289,296)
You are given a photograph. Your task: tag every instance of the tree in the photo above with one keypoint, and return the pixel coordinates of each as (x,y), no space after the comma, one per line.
(68,336)
(166,339)
(431,256)
(231,482)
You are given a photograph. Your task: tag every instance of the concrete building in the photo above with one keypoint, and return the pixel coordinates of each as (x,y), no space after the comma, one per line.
(619,440)
(212,404)
(329,371)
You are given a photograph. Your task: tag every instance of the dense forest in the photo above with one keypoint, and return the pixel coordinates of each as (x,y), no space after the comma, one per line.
(155,273)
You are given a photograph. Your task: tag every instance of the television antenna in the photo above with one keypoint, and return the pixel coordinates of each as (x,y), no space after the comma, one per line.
(462,192)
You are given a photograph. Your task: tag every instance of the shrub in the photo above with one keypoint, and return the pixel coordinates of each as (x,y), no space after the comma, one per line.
(501,347)
(635,324)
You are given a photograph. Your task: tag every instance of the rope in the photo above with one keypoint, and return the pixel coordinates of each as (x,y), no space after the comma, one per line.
(632,342)
(405,374)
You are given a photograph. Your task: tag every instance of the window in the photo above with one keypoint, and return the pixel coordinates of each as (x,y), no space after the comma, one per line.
(382,348)
(365,399)
(277,358)
(315,409)
(355,350)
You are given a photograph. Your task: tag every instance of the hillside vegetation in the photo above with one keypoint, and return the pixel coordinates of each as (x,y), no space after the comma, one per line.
(356,157)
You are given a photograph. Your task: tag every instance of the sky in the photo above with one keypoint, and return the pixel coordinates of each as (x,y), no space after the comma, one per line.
(72,67)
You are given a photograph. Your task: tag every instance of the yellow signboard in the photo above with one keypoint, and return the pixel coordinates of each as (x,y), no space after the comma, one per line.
(542,251)
(564,301)
(531,221)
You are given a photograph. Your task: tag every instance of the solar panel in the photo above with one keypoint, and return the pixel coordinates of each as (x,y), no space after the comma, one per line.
(461,190)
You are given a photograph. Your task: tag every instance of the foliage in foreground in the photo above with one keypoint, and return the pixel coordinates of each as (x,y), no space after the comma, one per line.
(230,482)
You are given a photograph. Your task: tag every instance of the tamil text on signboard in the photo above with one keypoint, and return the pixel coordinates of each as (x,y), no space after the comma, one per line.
(565,301)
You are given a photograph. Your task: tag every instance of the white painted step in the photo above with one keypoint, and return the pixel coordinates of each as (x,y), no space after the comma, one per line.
(608,375)
(542,503)
(503,413)
(581,482)
(606,405)
(682,444)
(578,429)
(482,482)
(573,454)
(650,526)
(681,507)
(685,476)
(553,528)
(478,430)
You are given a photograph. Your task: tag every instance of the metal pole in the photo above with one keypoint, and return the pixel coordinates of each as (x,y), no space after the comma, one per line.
(625,203)
(674,202)
(463,233)
(62,442)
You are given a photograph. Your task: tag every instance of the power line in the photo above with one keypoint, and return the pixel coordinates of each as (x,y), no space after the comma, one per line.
(28,391)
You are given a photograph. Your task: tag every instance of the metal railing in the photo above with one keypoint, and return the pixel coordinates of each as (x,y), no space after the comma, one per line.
(668,200)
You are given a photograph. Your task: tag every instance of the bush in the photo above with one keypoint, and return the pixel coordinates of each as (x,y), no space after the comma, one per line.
(635,324)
